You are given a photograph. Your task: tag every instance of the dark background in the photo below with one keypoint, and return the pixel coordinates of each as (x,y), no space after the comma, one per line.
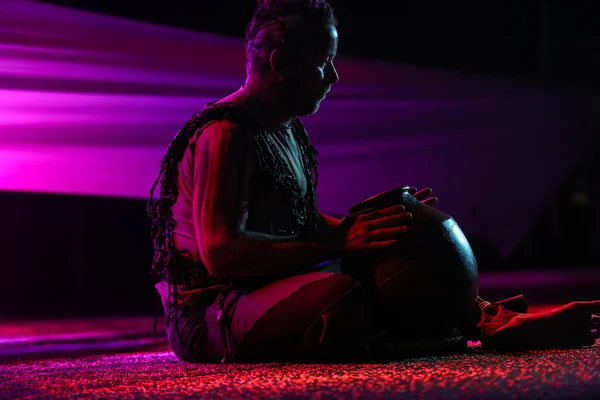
(91,255)
(557,40)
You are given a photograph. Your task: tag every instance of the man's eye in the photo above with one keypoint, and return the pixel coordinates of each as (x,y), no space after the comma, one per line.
(328,61)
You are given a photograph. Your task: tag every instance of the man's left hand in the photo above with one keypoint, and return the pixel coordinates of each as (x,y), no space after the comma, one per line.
(423,196)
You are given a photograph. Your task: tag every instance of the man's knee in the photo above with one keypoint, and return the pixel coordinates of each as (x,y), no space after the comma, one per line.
(409,297)
(317,313)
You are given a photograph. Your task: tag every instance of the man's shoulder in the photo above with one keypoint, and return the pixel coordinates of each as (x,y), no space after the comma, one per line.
(232,110)
(226,131)
(223,128)
(218,120)
(226,115)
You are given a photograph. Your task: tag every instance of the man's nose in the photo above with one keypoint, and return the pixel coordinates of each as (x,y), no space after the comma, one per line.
(332,75)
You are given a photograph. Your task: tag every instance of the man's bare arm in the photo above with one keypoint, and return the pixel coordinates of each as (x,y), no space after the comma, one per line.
(225,249)
(329,231)
(256,254)
(330,222)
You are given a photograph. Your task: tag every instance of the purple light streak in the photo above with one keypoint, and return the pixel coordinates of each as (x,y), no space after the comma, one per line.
(88,104)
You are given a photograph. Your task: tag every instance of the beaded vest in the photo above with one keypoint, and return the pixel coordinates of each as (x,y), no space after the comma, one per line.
(273,173)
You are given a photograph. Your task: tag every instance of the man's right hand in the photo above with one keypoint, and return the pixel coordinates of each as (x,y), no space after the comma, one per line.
(374,229)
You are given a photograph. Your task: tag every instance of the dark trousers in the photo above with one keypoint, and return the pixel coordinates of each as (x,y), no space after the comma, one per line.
(323,315)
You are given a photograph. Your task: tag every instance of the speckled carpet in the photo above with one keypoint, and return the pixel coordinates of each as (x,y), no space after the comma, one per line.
(121,358)
(157,373)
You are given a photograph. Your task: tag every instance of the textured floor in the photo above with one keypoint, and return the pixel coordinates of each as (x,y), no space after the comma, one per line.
(121,358)
(158,374)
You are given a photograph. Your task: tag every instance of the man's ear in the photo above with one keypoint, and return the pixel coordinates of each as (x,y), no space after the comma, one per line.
(277,63)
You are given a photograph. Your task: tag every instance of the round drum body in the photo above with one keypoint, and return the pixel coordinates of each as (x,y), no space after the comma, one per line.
(430,280)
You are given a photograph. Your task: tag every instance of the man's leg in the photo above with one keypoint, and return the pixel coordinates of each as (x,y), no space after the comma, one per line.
(324,320)
(409,302)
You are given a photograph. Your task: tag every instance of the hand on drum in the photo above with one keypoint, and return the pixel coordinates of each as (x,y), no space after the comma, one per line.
(422,196)
(374,229)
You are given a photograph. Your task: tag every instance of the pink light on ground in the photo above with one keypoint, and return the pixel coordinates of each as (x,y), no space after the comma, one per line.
(156,373)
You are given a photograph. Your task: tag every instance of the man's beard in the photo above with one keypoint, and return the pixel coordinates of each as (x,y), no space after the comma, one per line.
(295,101)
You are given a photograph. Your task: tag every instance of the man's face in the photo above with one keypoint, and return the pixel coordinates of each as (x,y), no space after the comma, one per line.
(312,74)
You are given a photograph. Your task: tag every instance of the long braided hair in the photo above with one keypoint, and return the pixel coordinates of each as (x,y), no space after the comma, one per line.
(273,25)
(160,208)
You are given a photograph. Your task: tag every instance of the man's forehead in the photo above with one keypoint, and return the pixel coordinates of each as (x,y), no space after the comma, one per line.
(327,40)
(324,43)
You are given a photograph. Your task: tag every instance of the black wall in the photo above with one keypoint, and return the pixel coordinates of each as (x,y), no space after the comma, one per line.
(73,254)
(551,39)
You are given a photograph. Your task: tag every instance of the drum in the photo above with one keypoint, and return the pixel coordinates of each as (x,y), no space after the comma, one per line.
(429,281)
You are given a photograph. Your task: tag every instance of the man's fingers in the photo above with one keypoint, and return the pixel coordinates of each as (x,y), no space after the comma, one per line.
(387,233)
(366,211)
(423,193)
(381,245)
(593,307)
(593,303)
(384,212)
(391,221)
(430,201)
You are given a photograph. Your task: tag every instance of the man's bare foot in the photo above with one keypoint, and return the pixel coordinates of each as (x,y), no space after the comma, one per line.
(571,326)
